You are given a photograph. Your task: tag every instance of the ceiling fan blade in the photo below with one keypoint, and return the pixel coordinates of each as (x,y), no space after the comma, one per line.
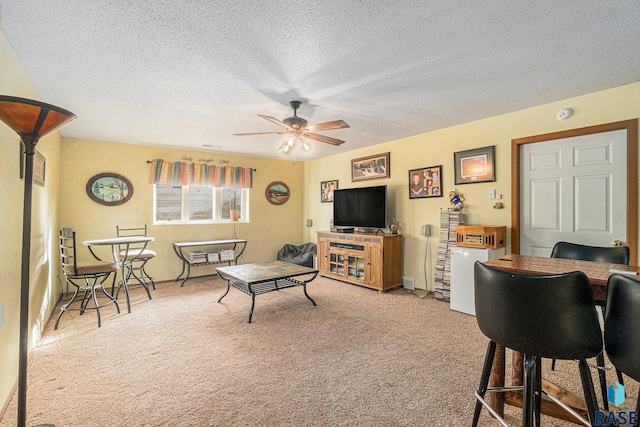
(336,124)
(276,121)
(322,138)
(260,133)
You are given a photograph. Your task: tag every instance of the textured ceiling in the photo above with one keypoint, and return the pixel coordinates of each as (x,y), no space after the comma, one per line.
(190,73)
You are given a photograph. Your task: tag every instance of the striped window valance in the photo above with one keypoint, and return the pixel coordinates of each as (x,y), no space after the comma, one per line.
(182,173)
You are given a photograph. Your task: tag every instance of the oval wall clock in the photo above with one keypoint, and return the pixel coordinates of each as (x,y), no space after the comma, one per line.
(109,189)
(277,193)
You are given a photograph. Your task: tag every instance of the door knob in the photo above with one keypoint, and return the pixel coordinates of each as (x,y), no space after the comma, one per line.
(617,243)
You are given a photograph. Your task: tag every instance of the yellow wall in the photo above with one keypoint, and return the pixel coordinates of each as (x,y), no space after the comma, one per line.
(437,148)
(44,289)
(270,226)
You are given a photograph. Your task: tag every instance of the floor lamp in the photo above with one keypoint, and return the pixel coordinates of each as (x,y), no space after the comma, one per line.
(31,120)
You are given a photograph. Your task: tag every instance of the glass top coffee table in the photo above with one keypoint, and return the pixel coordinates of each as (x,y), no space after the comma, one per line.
(260,278)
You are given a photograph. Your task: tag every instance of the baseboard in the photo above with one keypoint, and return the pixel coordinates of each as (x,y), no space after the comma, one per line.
(8,400)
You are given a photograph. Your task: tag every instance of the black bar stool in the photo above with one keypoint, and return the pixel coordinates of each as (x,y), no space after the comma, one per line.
(542,316)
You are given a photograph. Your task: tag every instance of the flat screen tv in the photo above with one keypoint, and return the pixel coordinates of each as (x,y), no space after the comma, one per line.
(364,207)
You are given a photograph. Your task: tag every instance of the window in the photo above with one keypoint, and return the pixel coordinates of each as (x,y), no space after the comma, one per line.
(194,204)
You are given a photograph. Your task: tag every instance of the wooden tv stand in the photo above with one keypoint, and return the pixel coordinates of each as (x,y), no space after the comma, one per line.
(365,259)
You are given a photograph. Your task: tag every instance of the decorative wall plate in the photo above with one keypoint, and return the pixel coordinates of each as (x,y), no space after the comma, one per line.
(277,193)
(109,189)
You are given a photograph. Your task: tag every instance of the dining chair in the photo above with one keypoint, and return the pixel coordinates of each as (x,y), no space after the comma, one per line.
(606,254)
(523,312)
(136,255)
(87,277)
(621,326)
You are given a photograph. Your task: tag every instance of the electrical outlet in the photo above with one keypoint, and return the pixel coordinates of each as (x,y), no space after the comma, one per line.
(425,230)
(408,283)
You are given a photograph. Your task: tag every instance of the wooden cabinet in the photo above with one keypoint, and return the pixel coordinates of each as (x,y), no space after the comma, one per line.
(365,259)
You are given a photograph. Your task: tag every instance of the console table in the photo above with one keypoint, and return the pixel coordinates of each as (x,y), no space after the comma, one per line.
(238,246)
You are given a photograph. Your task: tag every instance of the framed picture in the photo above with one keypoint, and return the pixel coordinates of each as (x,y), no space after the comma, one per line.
(109,189)
(22,160)
(477,165)
(425,182)
(277,193)
(326,190)
(39,164)
(370,167)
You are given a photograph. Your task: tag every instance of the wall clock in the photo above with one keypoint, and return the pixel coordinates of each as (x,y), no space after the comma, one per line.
(109,189)
(277,193)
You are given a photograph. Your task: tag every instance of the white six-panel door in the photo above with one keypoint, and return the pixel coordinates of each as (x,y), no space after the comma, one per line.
(573,189)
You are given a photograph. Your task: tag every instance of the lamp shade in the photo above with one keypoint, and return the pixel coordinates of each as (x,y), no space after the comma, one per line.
(32,119)
(289,143)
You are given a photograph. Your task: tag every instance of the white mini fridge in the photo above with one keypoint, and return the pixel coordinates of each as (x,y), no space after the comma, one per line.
(462,261)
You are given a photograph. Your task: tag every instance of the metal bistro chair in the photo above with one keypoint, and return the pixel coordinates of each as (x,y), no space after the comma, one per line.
(524,312)
(137,256)
(607,254)
(622,326)
(87,276)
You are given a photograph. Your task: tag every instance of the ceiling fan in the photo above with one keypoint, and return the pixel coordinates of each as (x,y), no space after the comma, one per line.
(296,128)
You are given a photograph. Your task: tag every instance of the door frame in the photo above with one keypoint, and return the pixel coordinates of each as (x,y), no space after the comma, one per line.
(631,126)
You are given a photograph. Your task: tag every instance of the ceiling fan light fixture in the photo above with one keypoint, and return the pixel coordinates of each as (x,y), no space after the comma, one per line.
(297,127)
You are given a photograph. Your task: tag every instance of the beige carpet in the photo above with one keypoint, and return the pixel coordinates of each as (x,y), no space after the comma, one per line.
(360,358)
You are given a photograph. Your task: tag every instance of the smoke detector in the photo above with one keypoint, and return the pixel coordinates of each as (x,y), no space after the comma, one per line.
(565,113)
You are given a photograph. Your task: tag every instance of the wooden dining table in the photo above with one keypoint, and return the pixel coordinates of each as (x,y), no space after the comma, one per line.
(598,274)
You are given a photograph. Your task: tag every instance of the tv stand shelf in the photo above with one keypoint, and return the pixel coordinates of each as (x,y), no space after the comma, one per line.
(366,259)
